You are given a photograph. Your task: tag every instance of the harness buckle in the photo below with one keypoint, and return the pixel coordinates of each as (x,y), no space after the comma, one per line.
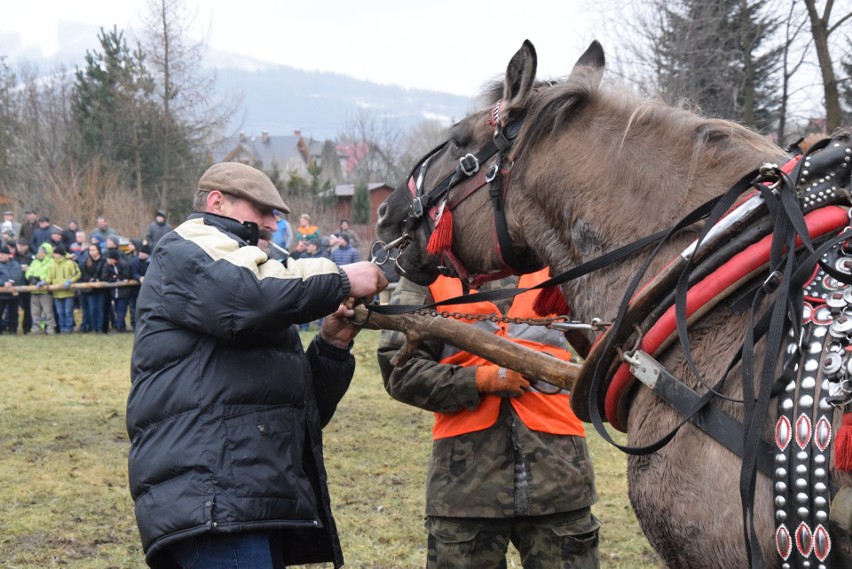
(772,281)
(417,207)
(492,173)
(467,168)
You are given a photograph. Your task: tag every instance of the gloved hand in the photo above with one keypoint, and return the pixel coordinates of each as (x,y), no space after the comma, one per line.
(41,284)
(66,284)
(500,381)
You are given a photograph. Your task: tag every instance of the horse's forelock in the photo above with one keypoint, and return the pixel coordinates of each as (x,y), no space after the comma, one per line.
(491,93)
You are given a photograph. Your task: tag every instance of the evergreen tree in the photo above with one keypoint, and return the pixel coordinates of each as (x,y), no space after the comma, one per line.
(361,204)
(9,126)
(111,109)
(716,54)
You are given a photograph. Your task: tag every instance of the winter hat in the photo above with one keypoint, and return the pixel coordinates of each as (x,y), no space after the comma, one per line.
(145,249)
(113,254)
(59,249)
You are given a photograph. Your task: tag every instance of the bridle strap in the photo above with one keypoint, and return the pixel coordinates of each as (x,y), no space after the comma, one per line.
(469,165)
(574,273)
(506,252)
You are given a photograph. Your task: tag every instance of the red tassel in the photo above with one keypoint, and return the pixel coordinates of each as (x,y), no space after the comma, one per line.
(843,445)
(551,301)
(442,238)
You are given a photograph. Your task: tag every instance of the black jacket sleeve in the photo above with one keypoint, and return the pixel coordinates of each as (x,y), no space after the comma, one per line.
(332,369)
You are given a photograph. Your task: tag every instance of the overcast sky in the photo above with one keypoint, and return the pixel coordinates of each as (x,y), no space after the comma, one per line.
(445,45)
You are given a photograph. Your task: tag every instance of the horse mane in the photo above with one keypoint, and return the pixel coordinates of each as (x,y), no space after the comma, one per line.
(552,106)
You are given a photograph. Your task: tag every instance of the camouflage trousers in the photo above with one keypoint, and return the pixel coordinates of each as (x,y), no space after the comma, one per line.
(564,540)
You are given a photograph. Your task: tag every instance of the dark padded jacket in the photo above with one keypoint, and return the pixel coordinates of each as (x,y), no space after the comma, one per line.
(226,409)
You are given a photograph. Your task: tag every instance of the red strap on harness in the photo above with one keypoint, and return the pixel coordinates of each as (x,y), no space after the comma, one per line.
(706,294)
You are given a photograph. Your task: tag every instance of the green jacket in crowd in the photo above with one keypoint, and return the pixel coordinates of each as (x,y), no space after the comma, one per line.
(61,271)
(38,268)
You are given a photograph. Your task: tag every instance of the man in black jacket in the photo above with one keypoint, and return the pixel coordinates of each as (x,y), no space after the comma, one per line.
(226,409)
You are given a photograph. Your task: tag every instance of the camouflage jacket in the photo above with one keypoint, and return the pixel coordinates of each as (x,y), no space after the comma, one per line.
(505,471)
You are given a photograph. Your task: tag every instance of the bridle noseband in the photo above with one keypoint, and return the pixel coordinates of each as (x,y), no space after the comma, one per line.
(465,180)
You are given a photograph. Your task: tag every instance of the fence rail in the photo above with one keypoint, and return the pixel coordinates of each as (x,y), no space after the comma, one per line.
(74,286)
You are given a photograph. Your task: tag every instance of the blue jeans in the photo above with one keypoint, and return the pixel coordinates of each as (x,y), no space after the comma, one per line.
(65,313)
(228,551)
(121,313)
(94,303)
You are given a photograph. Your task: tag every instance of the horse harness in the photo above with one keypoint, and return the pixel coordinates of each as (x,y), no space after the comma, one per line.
(809,510)
(467,178)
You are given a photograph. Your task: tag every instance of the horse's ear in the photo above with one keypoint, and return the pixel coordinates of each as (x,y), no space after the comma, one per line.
(591,62)
(520,75)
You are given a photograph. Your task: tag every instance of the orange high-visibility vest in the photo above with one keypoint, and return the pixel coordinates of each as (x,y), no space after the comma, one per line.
(544,413)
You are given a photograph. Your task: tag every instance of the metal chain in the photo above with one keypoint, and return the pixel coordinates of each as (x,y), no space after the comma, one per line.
(560,322)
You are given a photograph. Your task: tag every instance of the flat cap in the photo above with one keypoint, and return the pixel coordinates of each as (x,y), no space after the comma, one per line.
(242,181)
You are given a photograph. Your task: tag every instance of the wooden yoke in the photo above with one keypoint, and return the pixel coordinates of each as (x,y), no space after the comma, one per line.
(418,328)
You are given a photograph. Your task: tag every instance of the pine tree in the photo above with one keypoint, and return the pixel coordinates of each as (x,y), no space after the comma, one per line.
(716,54)
(9,125)
(111,109)
(361,204)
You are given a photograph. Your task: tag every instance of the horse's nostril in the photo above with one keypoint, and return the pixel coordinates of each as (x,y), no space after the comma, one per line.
(383,208)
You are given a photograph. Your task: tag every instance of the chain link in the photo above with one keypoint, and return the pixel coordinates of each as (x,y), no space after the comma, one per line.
(496,318)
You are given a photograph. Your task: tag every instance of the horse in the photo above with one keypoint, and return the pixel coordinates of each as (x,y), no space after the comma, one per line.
(586,168)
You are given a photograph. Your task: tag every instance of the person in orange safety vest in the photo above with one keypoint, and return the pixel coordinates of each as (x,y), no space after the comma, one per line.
(508,463)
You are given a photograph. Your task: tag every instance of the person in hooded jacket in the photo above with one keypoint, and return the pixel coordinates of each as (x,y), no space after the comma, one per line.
(41,303)
(157,229)
(64,271)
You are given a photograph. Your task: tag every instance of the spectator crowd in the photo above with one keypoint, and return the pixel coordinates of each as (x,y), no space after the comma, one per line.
(38,253)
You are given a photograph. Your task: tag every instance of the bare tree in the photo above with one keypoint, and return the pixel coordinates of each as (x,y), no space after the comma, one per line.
(377,146)
(821,30)
(422,138)
(191,115)
(791,62)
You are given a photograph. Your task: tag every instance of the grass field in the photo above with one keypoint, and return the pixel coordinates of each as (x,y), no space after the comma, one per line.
(63,485)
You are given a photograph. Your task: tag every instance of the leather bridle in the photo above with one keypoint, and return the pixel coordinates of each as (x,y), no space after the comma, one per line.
(468,177)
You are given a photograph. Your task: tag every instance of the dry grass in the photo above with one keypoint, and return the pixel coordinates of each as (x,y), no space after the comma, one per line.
(63,487)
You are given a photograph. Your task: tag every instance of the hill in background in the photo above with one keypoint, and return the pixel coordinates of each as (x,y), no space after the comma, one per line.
(281,99)
(276,98)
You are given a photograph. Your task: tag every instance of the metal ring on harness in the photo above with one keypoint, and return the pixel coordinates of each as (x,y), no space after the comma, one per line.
(469,170)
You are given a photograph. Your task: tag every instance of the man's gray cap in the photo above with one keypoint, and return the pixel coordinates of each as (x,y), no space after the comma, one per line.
(242,181)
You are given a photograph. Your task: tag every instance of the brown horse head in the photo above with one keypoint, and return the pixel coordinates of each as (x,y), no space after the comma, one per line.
(473,242)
